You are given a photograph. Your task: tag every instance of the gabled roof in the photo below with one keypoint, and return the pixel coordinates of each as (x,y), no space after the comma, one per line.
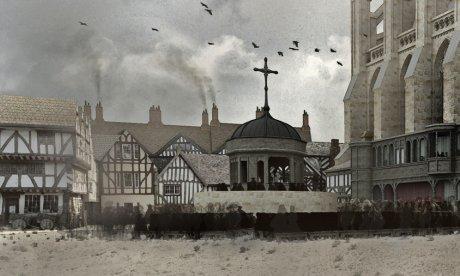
(155,138)
(103,143)
(174,140)
(209,168)
(37,112)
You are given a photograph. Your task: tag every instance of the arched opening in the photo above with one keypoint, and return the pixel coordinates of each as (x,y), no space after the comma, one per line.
(388,193)
(439,191)
(377,193)
(260,171)
(379,156)
(437,104)
(278,170)
(375,157)
(413,191)
(414,151)
(407,152)
(370,101)
(423,149)
(392,155)
(385,155)
(402,90)
(243,171)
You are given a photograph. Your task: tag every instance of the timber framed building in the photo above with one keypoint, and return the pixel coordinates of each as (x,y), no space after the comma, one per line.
(46,159)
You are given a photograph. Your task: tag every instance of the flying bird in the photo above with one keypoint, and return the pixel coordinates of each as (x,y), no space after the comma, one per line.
(209,11)
(204,5)
(280,54)
(293,49)
(339,63)
(296,43)
(317,50)
(210,43)
(333,51)
(255,45)
(83,23)
(155,30)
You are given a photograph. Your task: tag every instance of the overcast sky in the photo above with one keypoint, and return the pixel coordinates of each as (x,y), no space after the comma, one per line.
(44,51)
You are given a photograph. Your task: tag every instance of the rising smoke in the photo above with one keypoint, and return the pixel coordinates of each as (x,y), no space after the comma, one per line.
(176,60)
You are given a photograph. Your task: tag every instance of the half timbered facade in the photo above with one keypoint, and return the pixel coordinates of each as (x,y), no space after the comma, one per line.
(45,157)
(188,174)
(126,174)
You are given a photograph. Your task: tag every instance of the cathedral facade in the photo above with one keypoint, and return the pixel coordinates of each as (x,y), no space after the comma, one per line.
(402,108)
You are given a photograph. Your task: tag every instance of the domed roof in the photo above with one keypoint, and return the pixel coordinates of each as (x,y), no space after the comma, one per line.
(266,127)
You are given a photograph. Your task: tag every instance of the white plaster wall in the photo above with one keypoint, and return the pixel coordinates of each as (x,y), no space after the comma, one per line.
(13,181)
(268,201)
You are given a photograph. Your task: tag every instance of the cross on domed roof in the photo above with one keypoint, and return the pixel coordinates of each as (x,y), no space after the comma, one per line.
(266,71)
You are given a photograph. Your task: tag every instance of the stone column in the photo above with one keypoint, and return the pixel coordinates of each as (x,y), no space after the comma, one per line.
(266,172)
(291,169)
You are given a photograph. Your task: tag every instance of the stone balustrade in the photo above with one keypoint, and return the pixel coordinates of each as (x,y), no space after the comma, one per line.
(443,23)
(407,39)
(375,53)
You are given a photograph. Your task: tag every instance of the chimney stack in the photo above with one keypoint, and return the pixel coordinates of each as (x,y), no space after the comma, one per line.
(204,119)
(259,112)
(155,116)
(335,148)
(215,116)
(306,126)
(87,110)
(99,112)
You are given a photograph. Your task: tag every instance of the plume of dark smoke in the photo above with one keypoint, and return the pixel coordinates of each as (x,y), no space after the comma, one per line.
(175,60)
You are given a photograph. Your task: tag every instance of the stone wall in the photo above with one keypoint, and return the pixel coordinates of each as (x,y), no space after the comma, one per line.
(267,201)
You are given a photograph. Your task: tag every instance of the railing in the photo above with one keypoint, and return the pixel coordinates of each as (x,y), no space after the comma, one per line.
(407,39)
(443,23)
(375,53)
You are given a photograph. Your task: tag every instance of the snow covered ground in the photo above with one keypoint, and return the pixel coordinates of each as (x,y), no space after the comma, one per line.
(38,253)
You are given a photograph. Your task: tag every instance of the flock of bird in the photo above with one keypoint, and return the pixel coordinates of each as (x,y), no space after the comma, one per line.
(295,43)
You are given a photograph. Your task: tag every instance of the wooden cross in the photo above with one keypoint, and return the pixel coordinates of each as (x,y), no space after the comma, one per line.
(266,72)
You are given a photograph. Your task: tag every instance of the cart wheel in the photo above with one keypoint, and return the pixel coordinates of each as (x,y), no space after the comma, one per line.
(19,224)
(46,224)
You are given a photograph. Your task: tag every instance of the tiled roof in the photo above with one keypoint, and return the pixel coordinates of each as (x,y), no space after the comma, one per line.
(29,111)
(102,144)
(209,168)
(155,137)
(318,148)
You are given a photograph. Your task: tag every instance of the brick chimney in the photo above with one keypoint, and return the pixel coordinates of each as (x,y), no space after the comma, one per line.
(215,116)
(204,119)
(87,110)
(306,126)
(99,112)
(335,148)
(259,112)
(155,116)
